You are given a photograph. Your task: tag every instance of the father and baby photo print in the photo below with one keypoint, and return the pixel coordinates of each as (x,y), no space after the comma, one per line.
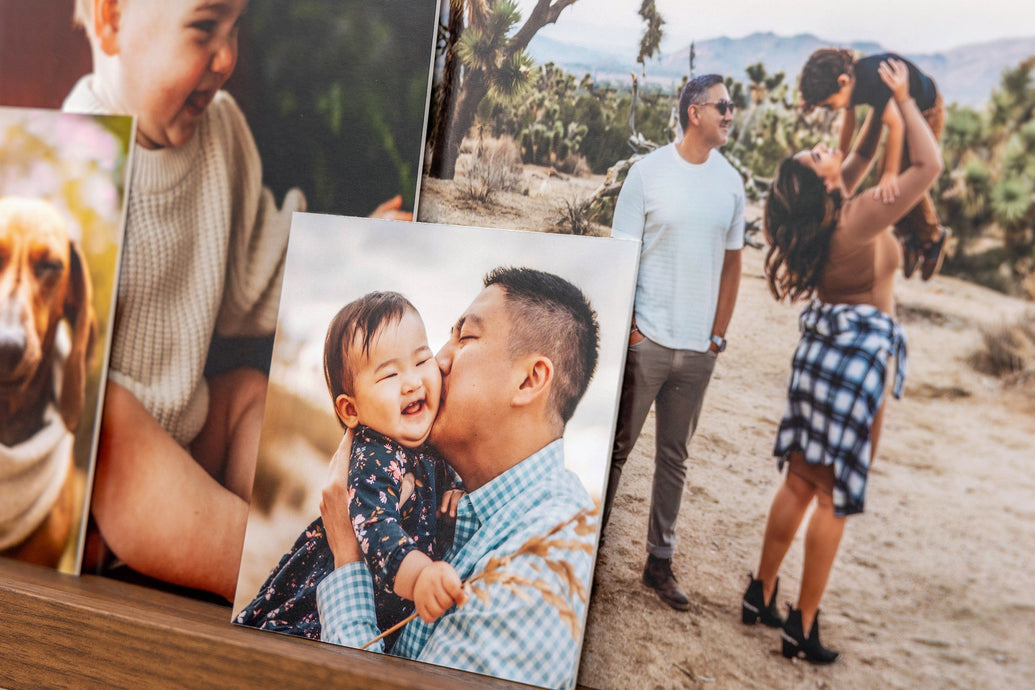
(475,375)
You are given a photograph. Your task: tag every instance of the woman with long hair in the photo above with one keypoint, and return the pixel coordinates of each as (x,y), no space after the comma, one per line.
(839,250)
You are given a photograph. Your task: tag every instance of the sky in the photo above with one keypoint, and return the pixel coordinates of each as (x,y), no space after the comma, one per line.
(908,26)
(440,270)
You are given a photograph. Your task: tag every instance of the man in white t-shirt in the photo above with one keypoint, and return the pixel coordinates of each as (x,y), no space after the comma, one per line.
(685,202)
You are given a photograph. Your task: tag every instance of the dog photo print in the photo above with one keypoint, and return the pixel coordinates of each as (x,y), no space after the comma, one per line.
(62,208)
(498,400)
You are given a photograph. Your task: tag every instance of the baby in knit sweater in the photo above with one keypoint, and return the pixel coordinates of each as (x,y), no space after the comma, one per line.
(203,256)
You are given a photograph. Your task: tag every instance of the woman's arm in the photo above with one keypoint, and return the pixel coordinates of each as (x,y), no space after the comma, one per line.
(887,189)
(157,508)
(847,129)
(868,216)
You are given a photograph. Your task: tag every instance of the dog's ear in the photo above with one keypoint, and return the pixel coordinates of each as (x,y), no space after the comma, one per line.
(79,314)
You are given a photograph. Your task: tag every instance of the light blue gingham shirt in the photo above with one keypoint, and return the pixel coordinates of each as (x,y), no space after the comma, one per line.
(510,637)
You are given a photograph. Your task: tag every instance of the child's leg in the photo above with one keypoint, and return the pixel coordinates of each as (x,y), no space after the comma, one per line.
(229,441)
(157,508)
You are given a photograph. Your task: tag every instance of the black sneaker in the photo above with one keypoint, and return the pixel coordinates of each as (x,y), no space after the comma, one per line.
(657,575)
(933,254)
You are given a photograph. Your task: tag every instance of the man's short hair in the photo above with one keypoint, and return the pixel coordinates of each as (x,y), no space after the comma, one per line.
(363,318)
(552,317)
(818,80)
(693,93)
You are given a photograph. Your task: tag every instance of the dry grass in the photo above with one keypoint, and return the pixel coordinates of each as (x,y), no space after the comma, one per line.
(540,546)
(1009,348)
(493,166)
(573,164)
(292,422)
(573,216)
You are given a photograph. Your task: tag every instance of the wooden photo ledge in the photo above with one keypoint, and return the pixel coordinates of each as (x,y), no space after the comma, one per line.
(63,631)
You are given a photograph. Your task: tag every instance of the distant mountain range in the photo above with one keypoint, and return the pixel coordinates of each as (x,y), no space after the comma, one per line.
(965,75)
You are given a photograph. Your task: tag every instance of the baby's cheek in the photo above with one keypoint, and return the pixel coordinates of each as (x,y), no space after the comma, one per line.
(435,387)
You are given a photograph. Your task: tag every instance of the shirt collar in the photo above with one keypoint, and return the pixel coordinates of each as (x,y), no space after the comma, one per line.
(489,499)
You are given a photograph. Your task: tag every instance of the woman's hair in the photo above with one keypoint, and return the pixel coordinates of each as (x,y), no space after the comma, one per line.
(800,217)
(818,80)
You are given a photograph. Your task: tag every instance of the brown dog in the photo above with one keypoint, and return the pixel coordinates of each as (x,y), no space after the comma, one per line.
(43,280)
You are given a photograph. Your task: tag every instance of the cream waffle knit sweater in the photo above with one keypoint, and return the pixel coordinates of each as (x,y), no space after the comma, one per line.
(203,253)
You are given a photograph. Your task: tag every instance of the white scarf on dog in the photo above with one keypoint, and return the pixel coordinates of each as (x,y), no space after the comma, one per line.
(31,476)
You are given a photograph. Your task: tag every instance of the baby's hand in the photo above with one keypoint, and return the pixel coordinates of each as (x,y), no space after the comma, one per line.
(392,210)
(437,588)
(887,188)
(450,499)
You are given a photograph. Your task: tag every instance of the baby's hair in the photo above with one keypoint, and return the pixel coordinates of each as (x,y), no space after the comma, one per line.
(363,318)
(818,80)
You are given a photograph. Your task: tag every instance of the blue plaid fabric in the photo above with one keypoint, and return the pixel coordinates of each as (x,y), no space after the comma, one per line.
(836,387)
(515,637)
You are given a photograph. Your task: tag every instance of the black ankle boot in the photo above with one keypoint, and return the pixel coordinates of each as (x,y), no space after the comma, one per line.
(753,605)
(796,644)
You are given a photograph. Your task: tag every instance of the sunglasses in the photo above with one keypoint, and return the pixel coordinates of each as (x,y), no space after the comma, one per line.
(721,106)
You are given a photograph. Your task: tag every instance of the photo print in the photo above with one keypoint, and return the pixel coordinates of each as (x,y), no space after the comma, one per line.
(474,367)
(62,209)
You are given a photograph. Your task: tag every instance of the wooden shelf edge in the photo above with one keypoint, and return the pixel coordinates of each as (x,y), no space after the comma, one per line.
(61,631)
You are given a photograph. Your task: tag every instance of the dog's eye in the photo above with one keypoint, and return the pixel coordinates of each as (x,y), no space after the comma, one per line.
(45,269)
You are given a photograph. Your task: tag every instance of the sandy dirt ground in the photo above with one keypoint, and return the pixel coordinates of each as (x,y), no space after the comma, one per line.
(534,206)
(932,586)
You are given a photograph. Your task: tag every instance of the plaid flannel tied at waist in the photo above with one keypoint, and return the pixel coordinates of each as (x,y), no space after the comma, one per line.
(836,387)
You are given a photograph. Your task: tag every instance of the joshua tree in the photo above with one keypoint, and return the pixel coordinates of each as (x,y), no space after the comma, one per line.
(990,179)
(494,63)
(650,42)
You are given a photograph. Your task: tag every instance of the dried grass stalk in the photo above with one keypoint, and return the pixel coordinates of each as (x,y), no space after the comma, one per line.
(540,546)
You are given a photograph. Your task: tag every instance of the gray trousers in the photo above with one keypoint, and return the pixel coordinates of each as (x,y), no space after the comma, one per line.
(675,382)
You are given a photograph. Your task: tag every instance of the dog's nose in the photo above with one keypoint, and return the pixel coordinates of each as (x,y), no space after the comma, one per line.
(12,336)
(12,348)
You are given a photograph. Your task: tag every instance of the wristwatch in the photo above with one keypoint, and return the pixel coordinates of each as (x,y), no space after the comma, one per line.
(719,342)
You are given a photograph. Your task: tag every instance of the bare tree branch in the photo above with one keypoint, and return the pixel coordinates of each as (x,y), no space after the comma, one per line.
(545,12)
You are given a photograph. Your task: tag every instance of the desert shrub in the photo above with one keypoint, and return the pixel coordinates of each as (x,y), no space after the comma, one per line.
(573,216)
(493,166)
(1009,349)
(573,164)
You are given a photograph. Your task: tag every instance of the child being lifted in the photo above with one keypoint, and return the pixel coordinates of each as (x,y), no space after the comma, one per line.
(832,78)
